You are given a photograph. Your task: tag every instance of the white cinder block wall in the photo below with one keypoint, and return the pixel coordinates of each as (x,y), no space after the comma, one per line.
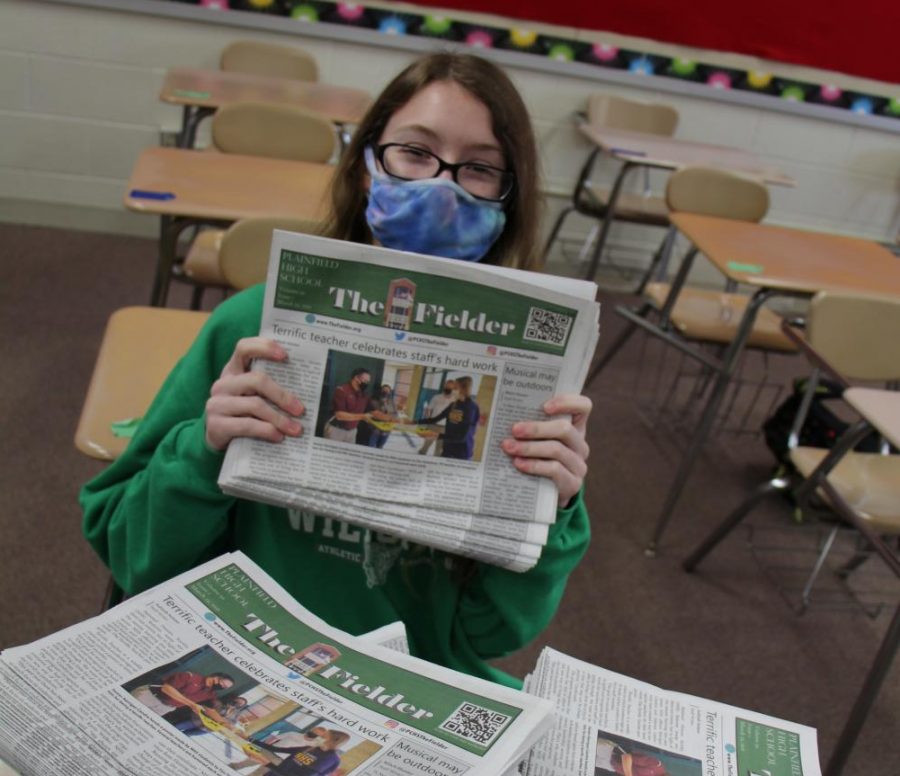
(78,101)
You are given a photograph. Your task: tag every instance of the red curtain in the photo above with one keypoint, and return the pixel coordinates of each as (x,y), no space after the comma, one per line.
(858,38)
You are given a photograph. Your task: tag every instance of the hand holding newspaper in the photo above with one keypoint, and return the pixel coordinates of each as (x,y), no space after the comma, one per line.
(361,323)
(219,671)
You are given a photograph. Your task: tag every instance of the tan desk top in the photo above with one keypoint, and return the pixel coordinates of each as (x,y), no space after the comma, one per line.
(881,408)
(674,153)
(778,257)
(139,348)
(214,88)
(226,187)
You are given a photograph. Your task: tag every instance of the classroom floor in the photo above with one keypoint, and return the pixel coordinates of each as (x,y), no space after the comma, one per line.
(725,633)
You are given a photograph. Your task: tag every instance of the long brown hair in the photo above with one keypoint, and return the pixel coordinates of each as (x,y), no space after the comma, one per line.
(516,246)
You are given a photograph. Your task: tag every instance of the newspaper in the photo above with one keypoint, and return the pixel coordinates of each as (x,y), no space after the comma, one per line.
(269,688)
(604,719)
(392,636)
(413,323)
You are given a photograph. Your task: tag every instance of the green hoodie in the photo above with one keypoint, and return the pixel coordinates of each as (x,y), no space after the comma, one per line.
(157,511)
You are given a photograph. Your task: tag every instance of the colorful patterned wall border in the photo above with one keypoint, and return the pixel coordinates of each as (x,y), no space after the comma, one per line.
(358,23)
(521,39)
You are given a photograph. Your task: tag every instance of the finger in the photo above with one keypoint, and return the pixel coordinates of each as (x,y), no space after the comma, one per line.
(561,429)
(578,406)
(222,429)
(547,450)
(567,483)
(259,384)
(251,407)
(230,416)
(249,348)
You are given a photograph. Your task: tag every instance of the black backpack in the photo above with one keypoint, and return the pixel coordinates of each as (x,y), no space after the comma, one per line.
(821,427)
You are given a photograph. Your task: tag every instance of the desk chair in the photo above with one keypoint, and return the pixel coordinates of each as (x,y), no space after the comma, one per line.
(245,246)
(701,316)
(612,112)
(254,129)
(711,316)
(258,58)
(139,348)
(850,338)
(255,58)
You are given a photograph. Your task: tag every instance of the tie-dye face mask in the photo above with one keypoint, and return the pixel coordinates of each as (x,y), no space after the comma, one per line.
(434,216)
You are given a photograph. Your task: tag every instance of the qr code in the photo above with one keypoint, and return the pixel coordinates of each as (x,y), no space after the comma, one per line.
(547,326)
(475,723)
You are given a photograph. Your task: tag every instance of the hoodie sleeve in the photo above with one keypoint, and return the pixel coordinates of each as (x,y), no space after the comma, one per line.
(157,510)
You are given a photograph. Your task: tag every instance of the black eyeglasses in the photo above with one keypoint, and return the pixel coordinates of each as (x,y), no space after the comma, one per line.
(411,163)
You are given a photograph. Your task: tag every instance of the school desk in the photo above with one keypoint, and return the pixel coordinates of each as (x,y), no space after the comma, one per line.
(200,92)
(641,149)
(776,261)
(187,187)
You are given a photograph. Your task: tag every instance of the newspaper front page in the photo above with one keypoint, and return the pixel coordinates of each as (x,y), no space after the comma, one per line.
(608,724)
(220,672)
(507,340)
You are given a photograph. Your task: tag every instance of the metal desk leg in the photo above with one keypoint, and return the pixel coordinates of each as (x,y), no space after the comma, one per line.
(607,219)
(170,229)
(617,344)
(638,317)
(186,117)
(191,116)
(880,666)
(708,417)
(580,187)
(883,658)
(677,284)
(659,264)
(164,222)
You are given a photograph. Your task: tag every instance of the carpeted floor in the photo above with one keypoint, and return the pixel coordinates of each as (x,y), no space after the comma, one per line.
(724,633)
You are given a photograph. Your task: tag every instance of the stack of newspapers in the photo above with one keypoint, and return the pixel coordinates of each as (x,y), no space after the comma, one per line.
(375,339)
(219,671)
(607,724)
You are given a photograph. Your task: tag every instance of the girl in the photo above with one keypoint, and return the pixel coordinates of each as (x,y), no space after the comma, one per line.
(444,163)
